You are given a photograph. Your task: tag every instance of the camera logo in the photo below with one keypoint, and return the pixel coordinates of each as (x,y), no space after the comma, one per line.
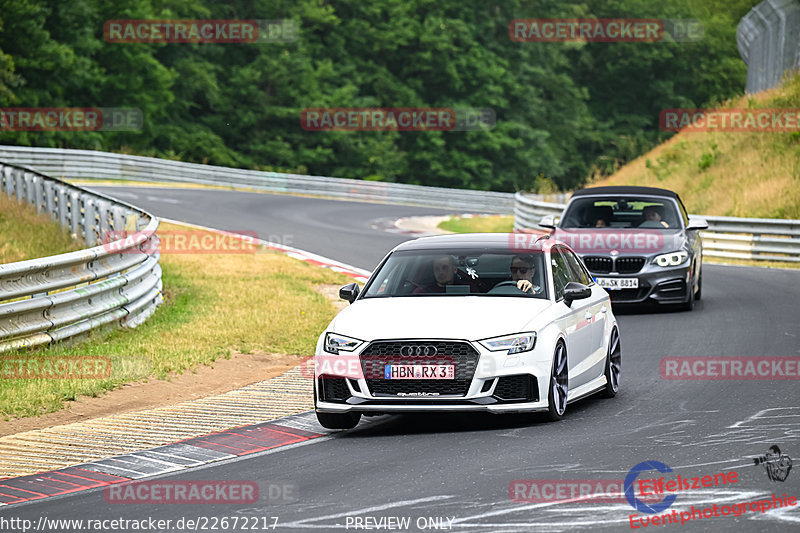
(777,464)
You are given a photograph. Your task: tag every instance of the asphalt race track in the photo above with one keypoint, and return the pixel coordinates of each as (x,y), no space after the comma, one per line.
(455,471)
(336,229)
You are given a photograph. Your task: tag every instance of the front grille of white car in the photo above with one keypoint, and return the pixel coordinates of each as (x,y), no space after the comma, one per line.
(381,353)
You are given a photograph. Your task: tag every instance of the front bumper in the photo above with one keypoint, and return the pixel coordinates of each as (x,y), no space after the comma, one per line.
(656,285)
(500,383)
(419,407)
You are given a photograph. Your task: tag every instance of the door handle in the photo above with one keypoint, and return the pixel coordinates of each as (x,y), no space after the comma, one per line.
(588,315)
(603,309)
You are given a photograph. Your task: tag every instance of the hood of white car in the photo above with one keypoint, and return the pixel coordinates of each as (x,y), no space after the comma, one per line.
(451,317)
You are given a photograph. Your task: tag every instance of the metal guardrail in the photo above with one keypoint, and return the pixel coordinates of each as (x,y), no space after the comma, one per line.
(88,164)
(768,38)
(62,296)
(758,239)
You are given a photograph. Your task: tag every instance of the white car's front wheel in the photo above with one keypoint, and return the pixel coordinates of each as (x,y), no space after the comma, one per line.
(559,384)
(338,420)
(613,365)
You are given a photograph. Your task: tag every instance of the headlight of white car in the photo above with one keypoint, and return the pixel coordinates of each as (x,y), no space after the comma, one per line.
(516,343)
(334,343)
(671,259)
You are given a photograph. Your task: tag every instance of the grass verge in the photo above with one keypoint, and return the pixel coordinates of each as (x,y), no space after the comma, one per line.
(28,235)
(740,174)
(479,224)
(214,304)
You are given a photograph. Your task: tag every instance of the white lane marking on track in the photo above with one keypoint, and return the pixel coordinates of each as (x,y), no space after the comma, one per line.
(605,513)
(374,508)
(120,194)
(165,200)
(757,429)
(760,416)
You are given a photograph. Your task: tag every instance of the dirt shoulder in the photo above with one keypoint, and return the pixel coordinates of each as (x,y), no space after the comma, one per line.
(225,375)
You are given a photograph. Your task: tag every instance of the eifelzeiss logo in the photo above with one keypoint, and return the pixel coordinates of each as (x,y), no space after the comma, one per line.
(635,502)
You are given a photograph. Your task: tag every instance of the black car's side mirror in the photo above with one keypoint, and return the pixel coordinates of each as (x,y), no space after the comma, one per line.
(697,223)
(349,292)
(548,221)
(575,291)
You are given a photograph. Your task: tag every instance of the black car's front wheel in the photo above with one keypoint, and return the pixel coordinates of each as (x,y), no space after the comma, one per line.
(338,420)
(688,305)
(559,384)
(699,293)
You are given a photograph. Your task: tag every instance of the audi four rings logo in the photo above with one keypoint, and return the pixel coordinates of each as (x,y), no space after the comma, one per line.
(418,349)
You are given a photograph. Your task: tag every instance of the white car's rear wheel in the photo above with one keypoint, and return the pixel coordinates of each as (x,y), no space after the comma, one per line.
(559,384)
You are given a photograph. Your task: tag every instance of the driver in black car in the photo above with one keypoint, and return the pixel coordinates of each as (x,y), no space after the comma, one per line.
(522,271)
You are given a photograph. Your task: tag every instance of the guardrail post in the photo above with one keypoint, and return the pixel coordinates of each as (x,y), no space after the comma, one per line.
(40,195)
(19,184)
(75,213)
(105,224)
(30,189)
(7,184)
(62,204)
(50,199)
(90,226)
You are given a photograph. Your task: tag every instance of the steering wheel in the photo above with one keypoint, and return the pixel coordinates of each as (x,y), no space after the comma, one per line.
(410,286)
(506,287)
(510,287)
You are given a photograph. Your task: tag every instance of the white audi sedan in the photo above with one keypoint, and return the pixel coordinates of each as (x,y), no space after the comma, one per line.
(489,322)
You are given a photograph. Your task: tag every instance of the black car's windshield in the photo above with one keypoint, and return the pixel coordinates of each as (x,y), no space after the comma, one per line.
(621,212)
(459,273)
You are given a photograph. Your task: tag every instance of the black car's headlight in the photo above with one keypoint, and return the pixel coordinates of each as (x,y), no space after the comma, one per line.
(671,259)
(516,343)
(335,343)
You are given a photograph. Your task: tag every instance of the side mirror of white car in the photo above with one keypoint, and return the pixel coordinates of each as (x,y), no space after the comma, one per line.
(575,291)
(349,292)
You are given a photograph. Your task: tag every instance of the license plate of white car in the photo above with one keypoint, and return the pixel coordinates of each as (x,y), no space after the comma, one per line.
(419,371)
(618,283)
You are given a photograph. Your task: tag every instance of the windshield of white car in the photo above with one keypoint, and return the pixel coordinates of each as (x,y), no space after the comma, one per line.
(621,212)
(459,273)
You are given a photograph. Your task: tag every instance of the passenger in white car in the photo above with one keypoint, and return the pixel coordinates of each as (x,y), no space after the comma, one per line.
(446,273)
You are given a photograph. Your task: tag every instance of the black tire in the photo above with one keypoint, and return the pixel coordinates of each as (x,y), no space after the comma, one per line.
(338,420)
(699,293)
(688,305)
(613,365)
(559,384)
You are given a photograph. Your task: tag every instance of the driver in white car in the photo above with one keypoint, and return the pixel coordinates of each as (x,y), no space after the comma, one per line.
(522,271)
